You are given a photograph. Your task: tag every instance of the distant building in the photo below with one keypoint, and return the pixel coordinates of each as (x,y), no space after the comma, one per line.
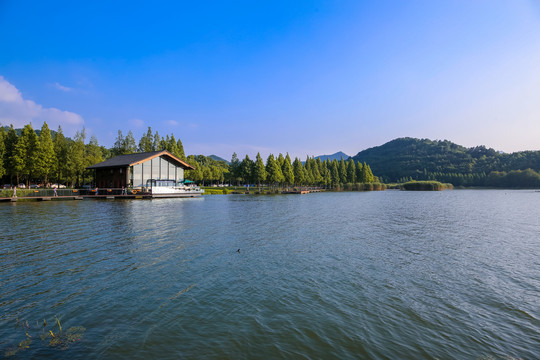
(139,170)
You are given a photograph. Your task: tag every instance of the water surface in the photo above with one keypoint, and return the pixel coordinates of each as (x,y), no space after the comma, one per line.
(381,275)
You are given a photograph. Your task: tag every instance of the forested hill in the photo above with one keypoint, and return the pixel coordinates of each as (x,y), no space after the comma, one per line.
(424,159)
(337,156)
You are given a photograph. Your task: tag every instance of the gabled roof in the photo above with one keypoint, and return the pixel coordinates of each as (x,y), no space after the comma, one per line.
(137,158)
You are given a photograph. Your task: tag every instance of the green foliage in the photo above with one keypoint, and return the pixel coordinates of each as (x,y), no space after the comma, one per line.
(2,151)
(45,157)
(298,172)
(425,186)
(259,170)
(273,171)
(76,158)
(406,158)
(60,168)
(61,159)
(146,143)
(527,178)
(246,170)
(287,170)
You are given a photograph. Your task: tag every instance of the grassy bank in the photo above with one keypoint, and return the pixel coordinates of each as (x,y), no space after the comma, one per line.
(425,186)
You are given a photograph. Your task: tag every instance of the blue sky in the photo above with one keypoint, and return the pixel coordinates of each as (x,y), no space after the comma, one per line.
(308,78)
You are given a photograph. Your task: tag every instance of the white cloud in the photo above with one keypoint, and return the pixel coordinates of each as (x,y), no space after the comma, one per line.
(136,123)
(19,112)
(172,123)
(63,88)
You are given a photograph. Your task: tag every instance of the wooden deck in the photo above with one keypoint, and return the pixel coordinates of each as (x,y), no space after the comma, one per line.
(95,197)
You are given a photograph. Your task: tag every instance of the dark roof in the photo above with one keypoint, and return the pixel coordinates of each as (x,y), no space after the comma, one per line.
(137,158)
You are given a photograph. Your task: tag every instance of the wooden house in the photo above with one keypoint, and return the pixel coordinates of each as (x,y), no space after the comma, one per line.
(139,170)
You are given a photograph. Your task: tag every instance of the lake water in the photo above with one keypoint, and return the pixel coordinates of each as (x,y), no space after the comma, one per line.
(374,275)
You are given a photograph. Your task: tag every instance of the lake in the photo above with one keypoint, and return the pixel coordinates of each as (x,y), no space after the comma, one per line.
(351,275)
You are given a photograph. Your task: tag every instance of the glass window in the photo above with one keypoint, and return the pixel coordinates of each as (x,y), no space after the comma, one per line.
(164,168)
(147,171)
(137,175)
(172,173)
(155,168)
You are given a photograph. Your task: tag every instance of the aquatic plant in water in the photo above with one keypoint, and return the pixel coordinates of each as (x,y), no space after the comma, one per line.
(53,337)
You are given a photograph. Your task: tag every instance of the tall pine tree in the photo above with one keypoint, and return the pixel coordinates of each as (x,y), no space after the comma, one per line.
(45,157)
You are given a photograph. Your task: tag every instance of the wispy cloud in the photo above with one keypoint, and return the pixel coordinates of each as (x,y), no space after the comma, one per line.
(63,88)
(137,123)
(172,123)
(14,109)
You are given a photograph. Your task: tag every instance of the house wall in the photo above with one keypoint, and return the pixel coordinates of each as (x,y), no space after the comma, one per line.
(157,168)
(112,177)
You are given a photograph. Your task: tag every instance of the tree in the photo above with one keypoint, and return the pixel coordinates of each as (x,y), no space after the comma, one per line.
(2,151)
(299,173)
(156,142)
(235,169)
(147,141)
(287,170)
(129,146)
(247,170)
(342,171)
(45,157)
(274,174)
(351,171)
(359,172)
(308,171)
(118,148)
(76,157)
(24,154)
(60,143)
(93,152)
(11,140)
(172,146)
(180,147)
(334,173)
(259,171)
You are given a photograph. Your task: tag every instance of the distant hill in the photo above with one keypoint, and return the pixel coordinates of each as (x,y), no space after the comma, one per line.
(424,159)
(336,156)
(217,158)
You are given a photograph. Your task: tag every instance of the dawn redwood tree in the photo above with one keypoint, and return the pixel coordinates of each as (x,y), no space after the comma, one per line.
(287,170)
(129,146)
(25,152)
(359,172)
(156,144)
(235,169)
(247,169)
(76,157)
(308,171)
(274,174)
(2,151)
(45,157)
(351,171)
(93,152)
(180,149)
(60,168)
(334,173)
(147,141)
(172,147)
(11,140)
(259,171)
(342,171)
(299,172)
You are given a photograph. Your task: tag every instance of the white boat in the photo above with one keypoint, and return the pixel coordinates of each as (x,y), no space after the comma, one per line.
(170,188)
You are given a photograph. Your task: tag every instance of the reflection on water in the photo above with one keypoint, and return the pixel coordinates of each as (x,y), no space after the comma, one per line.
(391,274)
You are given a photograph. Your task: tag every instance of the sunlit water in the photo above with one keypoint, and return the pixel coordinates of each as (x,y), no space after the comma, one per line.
(375,275)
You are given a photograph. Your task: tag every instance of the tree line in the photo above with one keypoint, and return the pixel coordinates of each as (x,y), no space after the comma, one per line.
(280,171)
(45,156)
